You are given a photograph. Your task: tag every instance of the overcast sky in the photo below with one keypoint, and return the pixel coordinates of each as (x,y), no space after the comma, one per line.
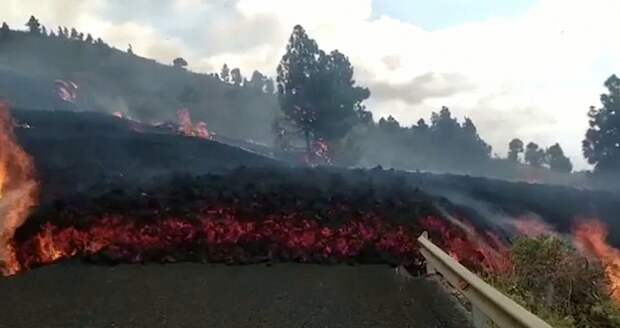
(517,68)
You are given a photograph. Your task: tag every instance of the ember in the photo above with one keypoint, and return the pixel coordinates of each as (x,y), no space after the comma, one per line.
(18,190)
(591,237)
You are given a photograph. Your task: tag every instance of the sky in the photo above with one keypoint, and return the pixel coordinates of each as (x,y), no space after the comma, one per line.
(518,68)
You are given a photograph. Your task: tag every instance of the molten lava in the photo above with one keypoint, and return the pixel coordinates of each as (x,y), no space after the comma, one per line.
(218,235)
(461,240)
(188,128)
(18,190)
(591,236)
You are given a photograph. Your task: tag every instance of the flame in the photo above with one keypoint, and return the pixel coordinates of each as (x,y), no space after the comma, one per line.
(18,190)
(591,237)
(188,128)
(318,153)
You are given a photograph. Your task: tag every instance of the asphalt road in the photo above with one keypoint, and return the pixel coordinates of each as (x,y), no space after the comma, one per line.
(195,295)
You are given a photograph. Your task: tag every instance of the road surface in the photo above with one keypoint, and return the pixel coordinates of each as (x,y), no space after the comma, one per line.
(205,295)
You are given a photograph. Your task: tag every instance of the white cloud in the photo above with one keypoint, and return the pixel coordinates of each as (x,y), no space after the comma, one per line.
(532,76)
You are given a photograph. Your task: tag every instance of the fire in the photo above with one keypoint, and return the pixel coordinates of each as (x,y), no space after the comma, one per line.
(188,128)
(18,190)
(318,153)
(591,237)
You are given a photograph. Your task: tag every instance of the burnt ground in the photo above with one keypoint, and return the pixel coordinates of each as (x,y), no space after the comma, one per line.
(84,155)
(195,295)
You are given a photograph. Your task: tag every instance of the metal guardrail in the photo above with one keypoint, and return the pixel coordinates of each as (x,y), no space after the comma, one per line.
(489,306)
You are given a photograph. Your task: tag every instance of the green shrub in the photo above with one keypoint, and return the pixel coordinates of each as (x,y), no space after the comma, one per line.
(554,281)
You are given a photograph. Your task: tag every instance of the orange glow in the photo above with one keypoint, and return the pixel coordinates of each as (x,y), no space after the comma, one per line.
(188,128)
(18,190)
(591,237)
(462,241)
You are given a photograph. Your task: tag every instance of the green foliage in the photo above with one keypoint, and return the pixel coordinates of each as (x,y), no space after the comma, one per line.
(534,156)
(515,147)
(601,145)
(557,160)
(554,281)
(316,90)
(445,144)
(33,25)
(179,62)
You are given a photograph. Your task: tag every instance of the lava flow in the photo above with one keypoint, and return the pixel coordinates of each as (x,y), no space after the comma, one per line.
(220,235)
(18,190)
(591,236)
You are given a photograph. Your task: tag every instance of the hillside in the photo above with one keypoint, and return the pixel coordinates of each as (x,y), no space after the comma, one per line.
(110,80)
(76,151)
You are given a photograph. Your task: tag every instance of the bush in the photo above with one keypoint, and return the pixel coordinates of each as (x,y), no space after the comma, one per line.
(554,281)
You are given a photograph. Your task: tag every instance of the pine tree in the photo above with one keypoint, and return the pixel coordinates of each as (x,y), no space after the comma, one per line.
(33,25)
(601,145)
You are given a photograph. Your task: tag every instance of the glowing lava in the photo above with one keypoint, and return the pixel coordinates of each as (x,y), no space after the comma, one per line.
(18,190)
(591,236)
(461,240)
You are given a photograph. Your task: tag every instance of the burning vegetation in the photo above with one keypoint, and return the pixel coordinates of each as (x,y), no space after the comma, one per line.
(190,129)
(591,237)
(18,190)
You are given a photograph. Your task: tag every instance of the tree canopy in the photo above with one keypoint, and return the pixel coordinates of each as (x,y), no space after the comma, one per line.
(557,160)
(179,62)
(33,25)
(316,90)
(515,147)
(534,155)
(601,145)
